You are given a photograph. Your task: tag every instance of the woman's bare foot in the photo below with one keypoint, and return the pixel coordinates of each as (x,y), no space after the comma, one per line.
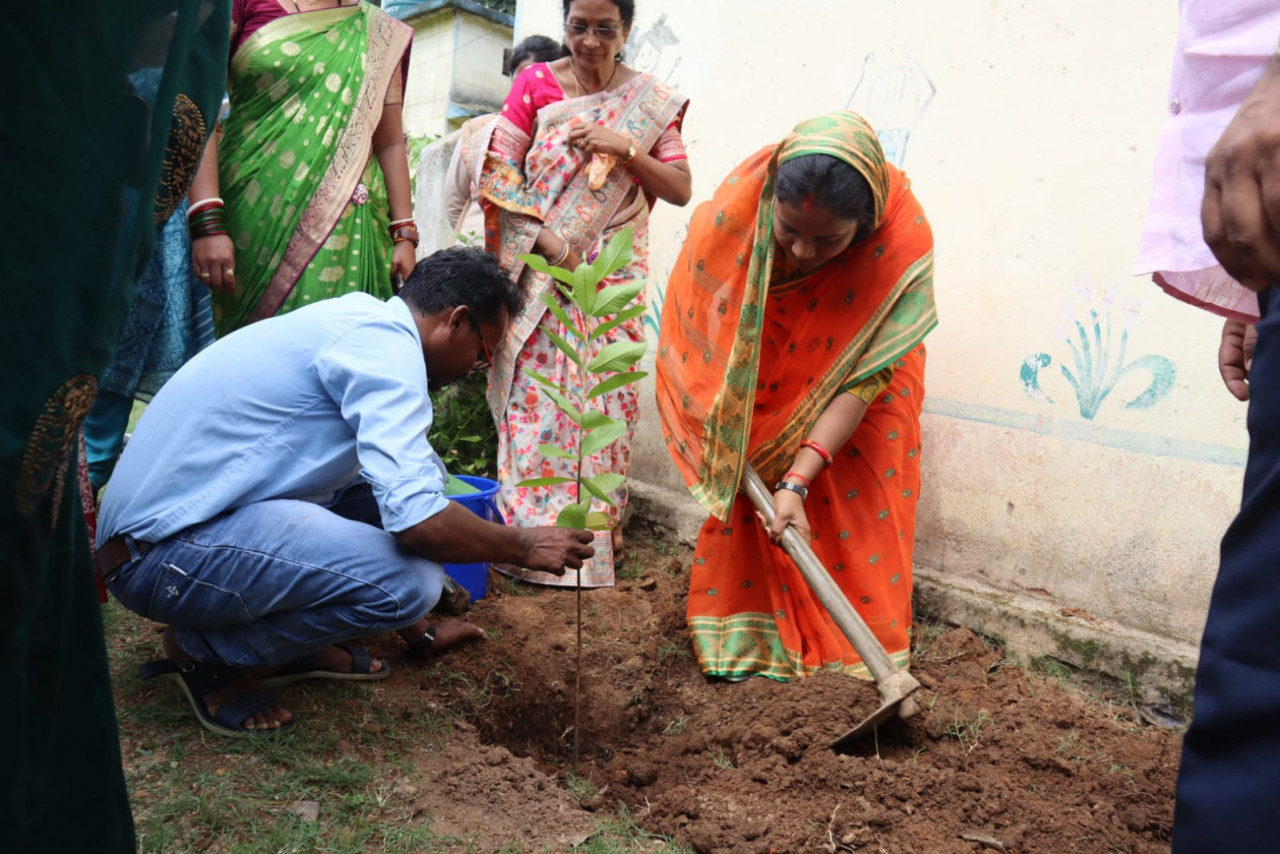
(273,717)
(448,634)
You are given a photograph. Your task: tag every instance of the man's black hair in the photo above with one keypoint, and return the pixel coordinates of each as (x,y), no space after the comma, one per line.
(461,275)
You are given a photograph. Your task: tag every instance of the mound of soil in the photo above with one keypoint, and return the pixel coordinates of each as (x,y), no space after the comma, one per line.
(999,759)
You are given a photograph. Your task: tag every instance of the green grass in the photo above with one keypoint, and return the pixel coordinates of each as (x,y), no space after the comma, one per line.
(967,729)
(620,834)
(580,786)
(632,567)
(516,587)
(138,408)
(675,650)
(195,791)
(720,759)
(355,755)
(924,632)
(1119,695)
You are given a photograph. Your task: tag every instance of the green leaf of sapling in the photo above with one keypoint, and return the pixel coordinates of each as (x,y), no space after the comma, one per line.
(602,437)
(572,516)
(597,521)
(545,481)
(584,288)
(618,356)
(556,451)
(567,406)
(617,320)
(597,492)
(616,381)
(564,347)
(615,298)
(561,315)
(539,264)
(608,481)
(593,418)
(544,380)
(615,255)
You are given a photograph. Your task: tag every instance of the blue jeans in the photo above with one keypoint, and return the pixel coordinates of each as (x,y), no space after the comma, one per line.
(272,581)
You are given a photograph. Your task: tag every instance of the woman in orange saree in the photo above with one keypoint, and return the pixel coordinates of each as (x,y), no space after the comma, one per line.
(791,339)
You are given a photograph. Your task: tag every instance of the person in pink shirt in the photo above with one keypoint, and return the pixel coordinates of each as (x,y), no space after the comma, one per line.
(1213,239)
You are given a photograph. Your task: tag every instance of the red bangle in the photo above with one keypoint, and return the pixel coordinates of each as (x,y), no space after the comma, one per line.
(405,233)
(804,481)
(819,450)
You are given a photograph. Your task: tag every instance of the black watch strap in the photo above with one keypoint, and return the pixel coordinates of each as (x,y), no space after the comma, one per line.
(802,491)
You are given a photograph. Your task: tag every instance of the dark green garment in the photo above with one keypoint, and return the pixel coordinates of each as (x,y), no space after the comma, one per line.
(88,168)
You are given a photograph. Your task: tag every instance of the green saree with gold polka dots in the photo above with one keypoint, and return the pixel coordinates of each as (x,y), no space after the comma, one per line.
(306,204)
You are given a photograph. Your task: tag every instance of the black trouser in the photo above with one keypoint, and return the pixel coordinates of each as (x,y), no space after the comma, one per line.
(1229,785)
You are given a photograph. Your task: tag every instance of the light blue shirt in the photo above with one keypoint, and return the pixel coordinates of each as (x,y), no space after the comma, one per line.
(298,406)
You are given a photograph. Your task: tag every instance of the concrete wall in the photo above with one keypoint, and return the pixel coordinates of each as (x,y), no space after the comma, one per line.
(455,69)
(432,173)
(1066,519)
(478,83)
(426,97)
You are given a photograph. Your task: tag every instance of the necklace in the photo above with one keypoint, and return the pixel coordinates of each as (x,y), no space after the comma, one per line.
(577,81)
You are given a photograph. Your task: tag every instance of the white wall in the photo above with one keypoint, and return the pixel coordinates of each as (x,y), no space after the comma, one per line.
(1033,159)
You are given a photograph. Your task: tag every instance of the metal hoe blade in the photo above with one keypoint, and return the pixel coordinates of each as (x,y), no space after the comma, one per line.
(896,686)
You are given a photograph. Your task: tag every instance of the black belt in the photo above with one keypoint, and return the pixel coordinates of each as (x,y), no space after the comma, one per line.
(115,553)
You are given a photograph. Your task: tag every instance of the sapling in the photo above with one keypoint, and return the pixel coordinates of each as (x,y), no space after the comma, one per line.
(608,370)
(601,310)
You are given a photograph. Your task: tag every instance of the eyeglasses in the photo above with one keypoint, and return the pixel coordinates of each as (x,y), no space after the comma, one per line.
(485,361)
(604,34)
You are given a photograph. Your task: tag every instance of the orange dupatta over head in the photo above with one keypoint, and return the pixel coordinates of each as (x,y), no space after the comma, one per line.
(869,306)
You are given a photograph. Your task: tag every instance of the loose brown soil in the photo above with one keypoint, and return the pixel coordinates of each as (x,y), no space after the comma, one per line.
(1000,759)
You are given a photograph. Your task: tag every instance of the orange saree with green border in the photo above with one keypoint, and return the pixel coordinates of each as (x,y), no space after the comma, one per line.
(747,361)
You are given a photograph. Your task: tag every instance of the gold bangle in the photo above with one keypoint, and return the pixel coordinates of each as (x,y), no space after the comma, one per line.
(563,255)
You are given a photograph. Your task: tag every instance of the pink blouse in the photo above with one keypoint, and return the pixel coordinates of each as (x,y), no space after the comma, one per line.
(1222,48)
(536,86)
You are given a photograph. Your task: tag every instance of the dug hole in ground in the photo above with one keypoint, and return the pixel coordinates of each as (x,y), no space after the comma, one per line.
(479,743)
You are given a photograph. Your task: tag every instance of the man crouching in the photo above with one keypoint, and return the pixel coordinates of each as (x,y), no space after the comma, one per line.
(280,497)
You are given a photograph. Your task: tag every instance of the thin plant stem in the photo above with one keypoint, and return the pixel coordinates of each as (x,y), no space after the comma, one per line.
(577,679)
(585,351)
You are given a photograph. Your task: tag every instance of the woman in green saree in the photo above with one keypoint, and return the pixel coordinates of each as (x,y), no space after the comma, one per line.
(306,194)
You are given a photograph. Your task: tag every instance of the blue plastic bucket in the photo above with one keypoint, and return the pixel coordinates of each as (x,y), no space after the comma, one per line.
(475,576)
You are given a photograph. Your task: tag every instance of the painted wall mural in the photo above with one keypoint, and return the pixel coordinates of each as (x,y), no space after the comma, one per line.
(892,94)
(647,50)
(1093,364)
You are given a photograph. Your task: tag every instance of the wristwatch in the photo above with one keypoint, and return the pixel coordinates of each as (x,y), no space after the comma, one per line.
(631,153)
(802,491)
